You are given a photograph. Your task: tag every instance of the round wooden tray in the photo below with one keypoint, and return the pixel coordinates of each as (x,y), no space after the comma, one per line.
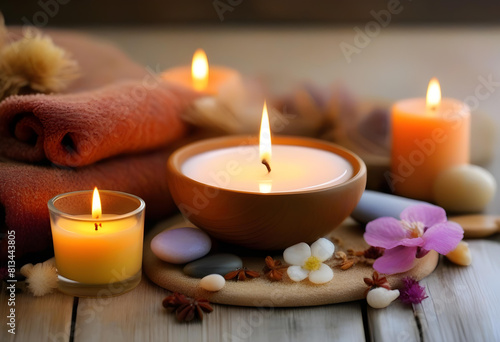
(260,292)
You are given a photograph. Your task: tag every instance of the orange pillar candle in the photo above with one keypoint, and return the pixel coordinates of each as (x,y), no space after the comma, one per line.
(428,136)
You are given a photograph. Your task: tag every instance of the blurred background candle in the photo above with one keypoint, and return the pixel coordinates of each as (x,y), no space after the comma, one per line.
(97,247)
(210,80)
(224,99)
(428,136)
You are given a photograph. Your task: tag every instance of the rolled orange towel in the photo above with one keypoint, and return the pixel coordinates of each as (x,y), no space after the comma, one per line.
(115,107)
(82,128)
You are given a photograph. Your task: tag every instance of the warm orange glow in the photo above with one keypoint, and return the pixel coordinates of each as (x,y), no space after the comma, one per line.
(96,205)
(265,137)
(433,99)
(199,70)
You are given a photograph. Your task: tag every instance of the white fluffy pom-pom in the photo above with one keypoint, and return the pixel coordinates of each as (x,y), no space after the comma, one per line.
(34,64)
(41,278)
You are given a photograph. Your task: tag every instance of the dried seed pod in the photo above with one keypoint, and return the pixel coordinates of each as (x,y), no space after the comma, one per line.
(347,265)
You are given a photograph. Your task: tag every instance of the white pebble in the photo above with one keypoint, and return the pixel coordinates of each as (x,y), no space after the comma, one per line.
(464,188)
(212,282)
(380,297)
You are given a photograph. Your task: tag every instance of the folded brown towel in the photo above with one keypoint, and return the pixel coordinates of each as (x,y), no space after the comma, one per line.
(25,190)
(82,128)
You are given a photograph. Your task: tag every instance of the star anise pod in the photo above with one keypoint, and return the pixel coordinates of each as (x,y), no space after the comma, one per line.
(273,269)
(172,302)
(186,308)
(241,274)
(376,281)
(196,307)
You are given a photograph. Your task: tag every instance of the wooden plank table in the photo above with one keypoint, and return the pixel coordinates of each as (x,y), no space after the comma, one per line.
(463,303)
(462,306)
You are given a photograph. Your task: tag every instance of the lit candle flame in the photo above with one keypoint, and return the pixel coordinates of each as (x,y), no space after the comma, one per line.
(265,139)
(199,70)
(433,98)
(96,205)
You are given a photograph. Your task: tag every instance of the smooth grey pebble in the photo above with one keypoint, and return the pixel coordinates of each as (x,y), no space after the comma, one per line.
(213,264)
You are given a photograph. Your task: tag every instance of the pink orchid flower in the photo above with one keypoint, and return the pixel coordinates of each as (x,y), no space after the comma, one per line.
(423,227)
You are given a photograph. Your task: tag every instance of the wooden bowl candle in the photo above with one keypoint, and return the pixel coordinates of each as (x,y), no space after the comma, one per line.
(221,186)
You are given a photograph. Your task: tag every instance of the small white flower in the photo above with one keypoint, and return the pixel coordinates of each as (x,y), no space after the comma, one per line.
(308,261)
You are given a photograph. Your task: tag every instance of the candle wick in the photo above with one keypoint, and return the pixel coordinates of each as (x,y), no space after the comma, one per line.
(97,225)
(267,165)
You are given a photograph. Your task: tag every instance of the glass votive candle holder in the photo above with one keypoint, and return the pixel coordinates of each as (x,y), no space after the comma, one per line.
(97,257)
